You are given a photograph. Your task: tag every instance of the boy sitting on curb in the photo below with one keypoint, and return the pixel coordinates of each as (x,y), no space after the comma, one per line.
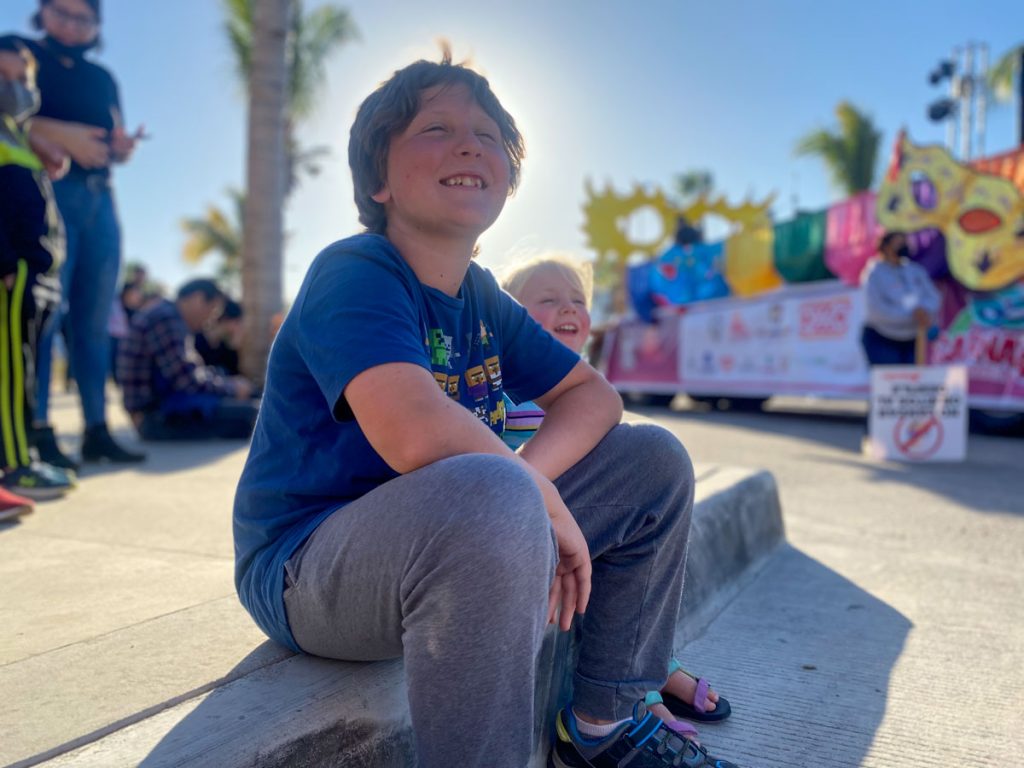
(380,515)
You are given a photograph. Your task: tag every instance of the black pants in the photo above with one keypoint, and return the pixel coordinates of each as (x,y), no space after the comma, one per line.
(230,420)
(881,350)
(25,307)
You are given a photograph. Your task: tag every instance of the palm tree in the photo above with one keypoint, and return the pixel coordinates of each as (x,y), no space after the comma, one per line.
(312,37)
(263,217)
(218,232)
(851,153)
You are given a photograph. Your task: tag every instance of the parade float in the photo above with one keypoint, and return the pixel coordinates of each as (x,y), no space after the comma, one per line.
(775,308)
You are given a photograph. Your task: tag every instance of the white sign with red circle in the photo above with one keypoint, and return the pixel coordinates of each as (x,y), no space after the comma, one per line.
(919,413)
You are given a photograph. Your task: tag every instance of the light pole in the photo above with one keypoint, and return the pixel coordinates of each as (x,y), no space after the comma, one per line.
(967,97)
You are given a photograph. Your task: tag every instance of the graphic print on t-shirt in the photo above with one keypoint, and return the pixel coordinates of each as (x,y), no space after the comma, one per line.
(493,366)
(476,382)
(440,348)
(470,375)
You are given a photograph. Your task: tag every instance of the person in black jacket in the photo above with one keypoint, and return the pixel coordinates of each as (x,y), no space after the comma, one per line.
(31,250)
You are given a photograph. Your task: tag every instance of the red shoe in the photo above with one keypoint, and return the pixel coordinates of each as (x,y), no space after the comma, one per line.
(12,505)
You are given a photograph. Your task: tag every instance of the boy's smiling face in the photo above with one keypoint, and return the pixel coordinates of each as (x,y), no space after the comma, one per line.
(447,172)
(554,298)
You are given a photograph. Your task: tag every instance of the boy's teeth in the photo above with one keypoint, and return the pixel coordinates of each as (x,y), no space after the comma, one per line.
(463,181)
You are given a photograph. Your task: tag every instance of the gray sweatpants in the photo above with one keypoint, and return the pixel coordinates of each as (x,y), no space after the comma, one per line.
(450,566)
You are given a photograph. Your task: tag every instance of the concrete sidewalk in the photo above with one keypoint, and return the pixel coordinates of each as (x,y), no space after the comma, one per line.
(124,643)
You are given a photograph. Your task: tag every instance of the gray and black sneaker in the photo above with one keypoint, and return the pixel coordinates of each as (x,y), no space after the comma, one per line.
(35,483)
(644,742)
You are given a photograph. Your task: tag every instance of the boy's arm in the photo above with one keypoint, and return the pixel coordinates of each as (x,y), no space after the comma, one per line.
(410,423)
(578,412)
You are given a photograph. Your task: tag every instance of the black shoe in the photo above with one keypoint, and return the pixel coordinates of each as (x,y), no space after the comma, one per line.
(45,443)
(98,445)
(644,742)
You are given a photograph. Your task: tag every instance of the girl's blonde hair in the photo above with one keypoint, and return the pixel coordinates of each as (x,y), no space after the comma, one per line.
(516,277)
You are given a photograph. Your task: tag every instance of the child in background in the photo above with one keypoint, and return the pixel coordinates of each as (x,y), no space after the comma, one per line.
(380,515)
(31,250)
(557,290)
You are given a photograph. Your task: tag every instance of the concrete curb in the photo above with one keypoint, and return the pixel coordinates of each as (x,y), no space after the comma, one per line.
(302,711)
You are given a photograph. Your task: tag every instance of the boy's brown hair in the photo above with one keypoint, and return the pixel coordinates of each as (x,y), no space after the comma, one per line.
(388,111)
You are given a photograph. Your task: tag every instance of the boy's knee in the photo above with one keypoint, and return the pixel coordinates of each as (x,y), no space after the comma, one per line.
(665,459)
(502,518)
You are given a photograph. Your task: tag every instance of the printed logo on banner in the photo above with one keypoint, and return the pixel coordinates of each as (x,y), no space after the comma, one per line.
(738,330)
(825,319)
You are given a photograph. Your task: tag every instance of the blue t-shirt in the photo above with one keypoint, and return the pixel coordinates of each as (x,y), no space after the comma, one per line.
(361,306)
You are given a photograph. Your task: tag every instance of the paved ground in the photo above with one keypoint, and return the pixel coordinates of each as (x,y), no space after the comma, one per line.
(891,631)
(130,558)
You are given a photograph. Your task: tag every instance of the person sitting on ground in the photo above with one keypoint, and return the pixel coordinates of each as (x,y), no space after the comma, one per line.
(219,342)
(379,514)
(557,290)
(168,390)
(31,251)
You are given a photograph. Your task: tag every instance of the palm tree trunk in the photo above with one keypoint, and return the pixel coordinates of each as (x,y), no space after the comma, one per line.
(263,233)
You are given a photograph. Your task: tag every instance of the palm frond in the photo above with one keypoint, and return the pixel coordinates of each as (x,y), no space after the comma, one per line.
(315,36)
(214,233)
(238,27)
(1002,74)
(851,153)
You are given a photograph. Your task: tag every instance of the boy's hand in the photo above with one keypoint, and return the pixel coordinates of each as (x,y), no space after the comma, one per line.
(570,589)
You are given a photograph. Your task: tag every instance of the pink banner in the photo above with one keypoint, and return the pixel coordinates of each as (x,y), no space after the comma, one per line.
(995,359)
(644,355)
(851,233)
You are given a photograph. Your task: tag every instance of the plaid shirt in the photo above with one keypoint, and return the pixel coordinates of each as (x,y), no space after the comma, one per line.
(158,358)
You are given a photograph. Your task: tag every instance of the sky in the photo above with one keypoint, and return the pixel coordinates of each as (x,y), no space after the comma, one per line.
(607,90)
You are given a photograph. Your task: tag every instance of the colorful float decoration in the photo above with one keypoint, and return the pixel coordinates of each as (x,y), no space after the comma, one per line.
(965,225)
(981,216)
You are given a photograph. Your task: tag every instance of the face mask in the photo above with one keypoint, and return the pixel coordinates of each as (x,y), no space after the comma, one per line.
(17,101)
(903,251)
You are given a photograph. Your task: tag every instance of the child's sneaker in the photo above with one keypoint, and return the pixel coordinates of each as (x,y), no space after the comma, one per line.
(644,742)
(12,505)
(59,475)
(35,484)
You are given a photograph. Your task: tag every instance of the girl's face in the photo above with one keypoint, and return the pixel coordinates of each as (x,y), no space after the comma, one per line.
(70,22)
(554,298)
